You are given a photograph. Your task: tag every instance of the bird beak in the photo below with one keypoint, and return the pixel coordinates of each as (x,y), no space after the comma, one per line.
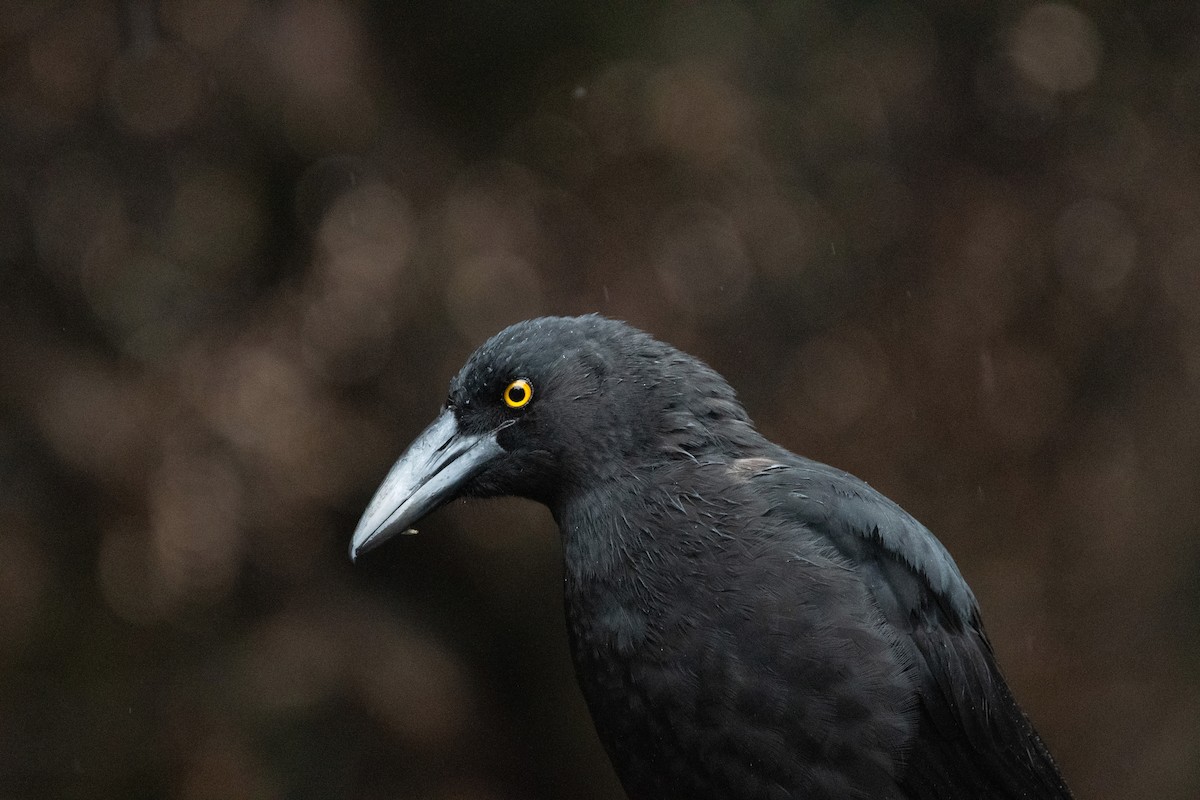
(428,475)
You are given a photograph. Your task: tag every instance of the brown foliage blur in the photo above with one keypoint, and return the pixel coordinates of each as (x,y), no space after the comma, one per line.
(954,248)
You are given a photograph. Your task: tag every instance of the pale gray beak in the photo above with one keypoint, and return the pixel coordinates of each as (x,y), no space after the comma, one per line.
(428,475)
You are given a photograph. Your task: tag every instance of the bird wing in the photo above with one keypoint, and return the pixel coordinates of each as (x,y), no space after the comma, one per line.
(972,739)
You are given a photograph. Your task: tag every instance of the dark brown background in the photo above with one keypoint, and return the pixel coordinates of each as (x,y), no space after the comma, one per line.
(952,247)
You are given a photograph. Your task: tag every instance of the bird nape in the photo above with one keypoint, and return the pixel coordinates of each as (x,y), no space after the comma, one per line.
(745,623)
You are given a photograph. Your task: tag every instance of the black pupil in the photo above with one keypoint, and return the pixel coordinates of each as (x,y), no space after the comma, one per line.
(516,393)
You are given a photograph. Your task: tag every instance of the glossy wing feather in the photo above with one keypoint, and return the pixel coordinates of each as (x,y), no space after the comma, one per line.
(973,740)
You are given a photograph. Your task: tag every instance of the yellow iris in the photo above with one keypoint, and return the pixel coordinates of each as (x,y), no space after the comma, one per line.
(518,393)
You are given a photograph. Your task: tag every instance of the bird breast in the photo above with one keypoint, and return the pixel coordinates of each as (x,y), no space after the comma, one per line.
(692,637)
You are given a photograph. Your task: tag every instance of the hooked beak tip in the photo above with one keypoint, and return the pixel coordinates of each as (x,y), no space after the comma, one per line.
(359,546)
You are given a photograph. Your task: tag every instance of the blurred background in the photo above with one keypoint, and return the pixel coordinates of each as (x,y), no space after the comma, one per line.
(951,247)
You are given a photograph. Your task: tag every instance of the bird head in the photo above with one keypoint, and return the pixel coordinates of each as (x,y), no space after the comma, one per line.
(552,405)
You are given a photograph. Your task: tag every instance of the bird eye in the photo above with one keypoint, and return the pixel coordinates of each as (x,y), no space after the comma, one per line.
(518,394)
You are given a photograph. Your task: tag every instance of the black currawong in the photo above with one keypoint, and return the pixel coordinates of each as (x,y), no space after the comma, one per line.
(745,623)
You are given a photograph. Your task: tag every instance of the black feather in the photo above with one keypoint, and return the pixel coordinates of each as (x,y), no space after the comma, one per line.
(746,624)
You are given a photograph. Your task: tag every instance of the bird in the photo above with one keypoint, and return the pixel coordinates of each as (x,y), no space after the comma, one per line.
(745,623)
